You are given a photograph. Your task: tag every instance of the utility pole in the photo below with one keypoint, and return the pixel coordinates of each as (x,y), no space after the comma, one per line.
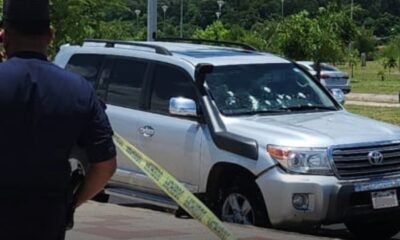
(164,8)
(137,12)
(181,21)
(351,11)
(151,20)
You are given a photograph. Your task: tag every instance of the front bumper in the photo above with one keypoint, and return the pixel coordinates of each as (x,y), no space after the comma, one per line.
(330,200)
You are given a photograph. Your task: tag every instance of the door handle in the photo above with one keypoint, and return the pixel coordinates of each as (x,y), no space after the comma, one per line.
(147,131)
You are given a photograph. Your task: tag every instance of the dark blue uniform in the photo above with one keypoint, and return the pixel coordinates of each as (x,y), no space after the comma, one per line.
(44,111)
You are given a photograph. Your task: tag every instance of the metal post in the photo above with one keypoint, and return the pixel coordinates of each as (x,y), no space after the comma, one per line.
(151,20)
(164,8)
(220,4)
(283,14)
(137,12)
(351,14)
(181,21)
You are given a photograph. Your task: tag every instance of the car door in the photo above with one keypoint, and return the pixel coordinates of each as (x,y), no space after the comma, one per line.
(173,142)
(120,86)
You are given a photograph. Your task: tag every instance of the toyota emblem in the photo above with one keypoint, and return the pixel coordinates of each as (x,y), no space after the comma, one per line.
(375,158)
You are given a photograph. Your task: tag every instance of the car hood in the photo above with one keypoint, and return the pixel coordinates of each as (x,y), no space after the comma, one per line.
(322,129)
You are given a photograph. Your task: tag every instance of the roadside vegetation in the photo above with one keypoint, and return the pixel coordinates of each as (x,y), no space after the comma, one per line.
(319,30)
(333,31)
(389,115)
(368,79)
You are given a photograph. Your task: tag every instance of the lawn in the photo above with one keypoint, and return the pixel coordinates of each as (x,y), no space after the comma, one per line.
(390,115)
(366,79)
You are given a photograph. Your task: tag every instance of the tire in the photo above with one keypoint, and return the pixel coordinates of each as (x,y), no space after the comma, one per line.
(373,230)
(243,204)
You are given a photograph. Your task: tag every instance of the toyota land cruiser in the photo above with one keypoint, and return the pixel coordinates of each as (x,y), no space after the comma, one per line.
(254,134)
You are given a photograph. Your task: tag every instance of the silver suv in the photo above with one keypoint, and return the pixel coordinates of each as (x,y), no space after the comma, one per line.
(252,134)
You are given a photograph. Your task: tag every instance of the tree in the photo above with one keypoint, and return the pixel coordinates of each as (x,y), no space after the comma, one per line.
(392,50)
(301,37)
(219,32)
(389,63)
(382,75)
(365,41)
(215,31)
(75,20)
(353,57)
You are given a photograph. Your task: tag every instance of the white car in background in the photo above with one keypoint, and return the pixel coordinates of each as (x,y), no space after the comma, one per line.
(331,77)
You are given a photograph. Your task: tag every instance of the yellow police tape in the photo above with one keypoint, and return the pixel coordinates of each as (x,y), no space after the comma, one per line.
(183,197)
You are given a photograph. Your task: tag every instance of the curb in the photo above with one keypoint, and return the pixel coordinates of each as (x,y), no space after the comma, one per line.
(376,98)
(373,104)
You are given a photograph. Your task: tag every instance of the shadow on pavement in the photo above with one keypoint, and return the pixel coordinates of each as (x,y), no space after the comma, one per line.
(337,231)
(147,206)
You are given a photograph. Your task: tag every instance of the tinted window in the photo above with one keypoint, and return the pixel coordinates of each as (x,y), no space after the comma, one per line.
(86,65)
(170,82)
(121,82)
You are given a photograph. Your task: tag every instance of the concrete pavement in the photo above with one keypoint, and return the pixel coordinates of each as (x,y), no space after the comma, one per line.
(374,100)
(99,221)
(370,97)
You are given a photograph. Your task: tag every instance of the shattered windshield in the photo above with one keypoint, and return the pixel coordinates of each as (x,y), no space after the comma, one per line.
(265,88)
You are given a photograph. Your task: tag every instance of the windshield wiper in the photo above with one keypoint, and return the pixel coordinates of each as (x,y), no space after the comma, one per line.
(307,108)
(283,110)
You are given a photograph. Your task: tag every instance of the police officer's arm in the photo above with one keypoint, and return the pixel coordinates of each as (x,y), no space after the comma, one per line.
(97,140)
(96,179)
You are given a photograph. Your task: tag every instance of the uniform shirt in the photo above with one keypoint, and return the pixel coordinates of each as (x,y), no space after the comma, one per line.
(44,111)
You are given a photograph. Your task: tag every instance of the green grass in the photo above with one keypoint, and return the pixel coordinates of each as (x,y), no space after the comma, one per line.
(366,79)
(390,115)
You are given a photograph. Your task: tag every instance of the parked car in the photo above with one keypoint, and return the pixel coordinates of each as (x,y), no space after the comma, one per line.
(252,134)
(331,77)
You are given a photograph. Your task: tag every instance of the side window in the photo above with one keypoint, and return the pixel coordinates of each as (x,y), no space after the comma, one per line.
(121,82)
(86,65)
(170,82)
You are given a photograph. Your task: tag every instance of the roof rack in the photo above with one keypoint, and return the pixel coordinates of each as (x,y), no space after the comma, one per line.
(202,41)
(112,43)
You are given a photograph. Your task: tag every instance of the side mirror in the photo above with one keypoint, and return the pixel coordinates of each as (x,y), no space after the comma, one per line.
(182,107)
(338,95)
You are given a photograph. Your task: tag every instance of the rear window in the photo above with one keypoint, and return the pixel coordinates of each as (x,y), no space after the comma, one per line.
(86,65)
(121,82)
(325,67)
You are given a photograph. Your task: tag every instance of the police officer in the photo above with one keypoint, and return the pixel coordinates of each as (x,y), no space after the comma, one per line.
(44,111)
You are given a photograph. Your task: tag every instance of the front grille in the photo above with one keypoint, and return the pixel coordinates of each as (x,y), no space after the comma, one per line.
(353,162)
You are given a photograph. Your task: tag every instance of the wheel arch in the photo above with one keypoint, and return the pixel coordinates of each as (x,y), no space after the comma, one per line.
(224,174)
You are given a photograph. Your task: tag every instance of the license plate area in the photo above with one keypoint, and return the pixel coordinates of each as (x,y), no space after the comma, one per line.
(384,199)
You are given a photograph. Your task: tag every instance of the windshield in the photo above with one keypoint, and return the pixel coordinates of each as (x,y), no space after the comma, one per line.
(265,88)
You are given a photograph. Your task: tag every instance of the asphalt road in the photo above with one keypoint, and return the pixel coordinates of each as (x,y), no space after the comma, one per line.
(337,231)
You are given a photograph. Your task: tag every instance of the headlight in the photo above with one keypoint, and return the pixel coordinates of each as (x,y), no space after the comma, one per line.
(301,160)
